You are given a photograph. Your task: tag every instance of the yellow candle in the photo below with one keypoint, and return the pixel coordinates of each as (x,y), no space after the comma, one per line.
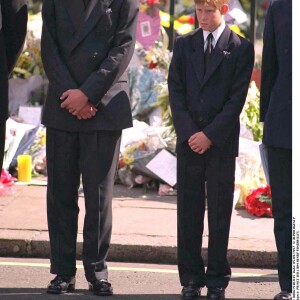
(24,168)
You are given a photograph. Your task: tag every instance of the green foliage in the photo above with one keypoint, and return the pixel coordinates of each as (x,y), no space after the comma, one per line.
(30,61)
(169,135)
(250,114)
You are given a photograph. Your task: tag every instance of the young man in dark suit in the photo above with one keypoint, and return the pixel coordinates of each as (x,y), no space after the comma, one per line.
(86,48)
(13,26)
(208,83)
(276,113)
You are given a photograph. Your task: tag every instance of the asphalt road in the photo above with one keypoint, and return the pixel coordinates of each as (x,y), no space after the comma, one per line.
(27,279)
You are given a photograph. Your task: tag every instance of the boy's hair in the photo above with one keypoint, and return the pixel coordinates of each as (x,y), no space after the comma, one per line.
(216,3)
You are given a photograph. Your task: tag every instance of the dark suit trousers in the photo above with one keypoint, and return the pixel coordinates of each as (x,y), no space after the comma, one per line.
(280,171)
(2,142)
(94,154)
(194,172)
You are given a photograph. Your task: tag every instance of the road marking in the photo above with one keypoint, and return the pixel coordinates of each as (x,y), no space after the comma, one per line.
(19,294)
(130,269)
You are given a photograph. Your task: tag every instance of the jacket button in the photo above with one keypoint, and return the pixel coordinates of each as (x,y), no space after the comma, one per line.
(201,100)
(200,119)
(95,54)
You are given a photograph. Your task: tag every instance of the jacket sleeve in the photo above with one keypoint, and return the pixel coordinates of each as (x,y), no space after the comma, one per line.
(119,55)
(269,68)
(220,128)
(184,125)
(14,28)
(55,68)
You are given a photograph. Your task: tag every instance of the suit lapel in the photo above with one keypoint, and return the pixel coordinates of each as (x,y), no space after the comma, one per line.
(93,16)
(198,54)
(89,9)
(76,11)
(217,54)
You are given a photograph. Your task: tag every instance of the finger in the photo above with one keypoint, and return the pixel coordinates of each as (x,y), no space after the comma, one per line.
(199,151)
(203,150)
(195,148)
(64,95)
(65,104)
(191,139)
(194,145)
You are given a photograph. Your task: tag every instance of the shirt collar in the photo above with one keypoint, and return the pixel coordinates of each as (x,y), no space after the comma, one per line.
(216,34)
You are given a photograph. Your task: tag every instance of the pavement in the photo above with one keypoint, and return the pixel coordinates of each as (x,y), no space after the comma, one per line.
(144,229)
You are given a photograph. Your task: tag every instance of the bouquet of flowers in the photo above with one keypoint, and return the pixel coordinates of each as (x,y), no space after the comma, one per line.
(149,6)
(259,202)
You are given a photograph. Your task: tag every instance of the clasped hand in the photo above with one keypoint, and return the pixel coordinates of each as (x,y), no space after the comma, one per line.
(76,102)
(199,142)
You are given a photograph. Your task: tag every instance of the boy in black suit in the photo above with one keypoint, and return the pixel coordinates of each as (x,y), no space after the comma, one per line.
(208,82)
(276,113)
(13,26)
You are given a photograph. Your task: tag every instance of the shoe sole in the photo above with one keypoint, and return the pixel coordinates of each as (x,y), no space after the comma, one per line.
(99,293)
(103,294)
(71,288)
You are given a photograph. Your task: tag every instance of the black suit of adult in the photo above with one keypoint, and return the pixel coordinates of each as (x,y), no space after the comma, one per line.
(211,102)
(87,50)
(13,24)
(276,113)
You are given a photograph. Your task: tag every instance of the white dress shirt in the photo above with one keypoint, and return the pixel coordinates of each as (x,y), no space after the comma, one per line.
(216,34)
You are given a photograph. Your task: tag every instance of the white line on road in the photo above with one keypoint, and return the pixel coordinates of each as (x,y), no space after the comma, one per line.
(130,269)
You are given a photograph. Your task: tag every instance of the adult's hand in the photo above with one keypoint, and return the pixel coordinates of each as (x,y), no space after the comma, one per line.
(87,112)
(74,101)
(199,142)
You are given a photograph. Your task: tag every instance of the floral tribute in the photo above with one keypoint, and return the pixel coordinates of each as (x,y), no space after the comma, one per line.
(259,202)
(6,183)
(149,6)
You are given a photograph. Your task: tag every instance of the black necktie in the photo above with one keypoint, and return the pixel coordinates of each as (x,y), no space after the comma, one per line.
(209,48)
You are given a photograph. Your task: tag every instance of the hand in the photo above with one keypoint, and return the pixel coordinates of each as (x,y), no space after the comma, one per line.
(87,112)
(73,101)
(199,142)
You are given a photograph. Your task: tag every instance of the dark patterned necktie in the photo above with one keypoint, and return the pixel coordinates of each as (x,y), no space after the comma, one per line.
(208,50)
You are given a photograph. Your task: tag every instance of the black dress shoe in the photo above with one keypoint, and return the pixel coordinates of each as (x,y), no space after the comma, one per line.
(61,284)
(215,293)
(190,291)
(101,287)
(283,295)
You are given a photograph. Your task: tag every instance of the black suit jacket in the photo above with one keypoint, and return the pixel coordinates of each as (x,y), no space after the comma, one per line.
(91,55)
(12,35)
(210,102)
(276,81)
